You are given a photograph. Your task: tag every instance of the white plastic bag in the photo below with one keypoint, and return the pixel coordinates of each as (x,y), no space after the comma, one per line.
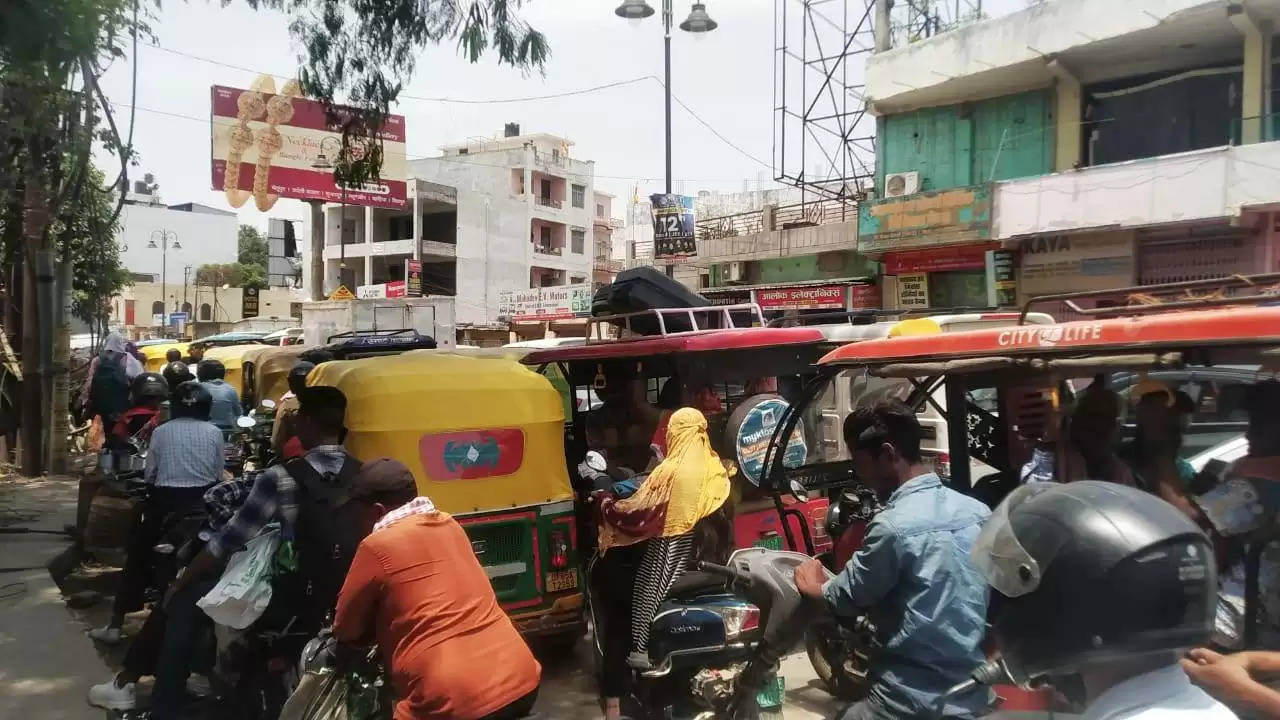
(242,594)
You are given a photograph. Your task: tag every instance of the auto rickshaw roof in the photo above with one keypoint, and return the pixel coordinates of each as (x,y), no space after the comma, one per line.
(231,356)
(1154,333)
(689,342)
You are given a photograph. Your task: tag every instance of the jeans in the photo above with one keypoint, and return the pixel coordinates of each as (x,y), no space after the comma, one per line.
(161,502)
(181,634)
(867,709)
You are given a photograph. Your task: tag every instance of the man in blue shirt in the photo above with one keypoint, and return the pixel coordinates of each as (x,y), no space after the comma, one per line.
(912,575)
(226,401)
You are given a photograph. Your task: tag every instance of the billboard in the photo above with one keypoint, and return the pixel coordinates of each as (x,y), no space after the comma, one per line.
(673,221)
(266,145)
(549,303)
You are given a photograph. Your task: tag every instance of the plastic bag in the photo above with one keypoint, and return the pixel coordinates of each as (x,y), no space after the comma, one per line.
(242,594)
(321,695)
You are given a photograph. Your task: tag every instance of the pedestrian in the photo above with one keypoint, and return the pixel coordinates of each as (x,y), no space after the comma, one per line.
(418,590)
(912,575)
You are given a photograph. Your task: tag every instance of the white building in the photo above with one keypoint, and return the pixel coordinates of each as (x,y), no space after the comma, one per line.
(194,234)
(486,217)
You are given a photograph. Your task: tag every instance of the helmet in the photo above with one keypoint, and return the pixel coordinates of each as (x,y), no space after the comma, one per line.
(176,373)
(1091,572)
(210,370)
(149,385)
(298,375)
(191,400)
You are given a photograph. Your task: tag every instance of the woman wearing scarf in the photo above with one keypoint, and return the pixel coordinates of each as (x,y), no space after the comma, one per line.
(115,351)
(679,513)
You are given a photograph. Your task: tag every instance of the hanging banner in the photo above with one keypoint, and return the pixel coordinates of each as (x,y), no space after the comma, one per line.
(413,278)
(913,291)
(673,223)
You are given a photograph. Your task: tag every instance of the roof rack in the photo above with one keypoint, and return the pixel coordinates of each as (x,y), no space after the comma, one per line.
(1267,286)
(867,316)
(715,317)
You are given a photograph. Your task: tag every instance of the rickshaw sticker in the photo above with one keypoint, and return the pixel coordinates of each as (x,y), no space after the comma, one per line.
(472,454)
(751,435)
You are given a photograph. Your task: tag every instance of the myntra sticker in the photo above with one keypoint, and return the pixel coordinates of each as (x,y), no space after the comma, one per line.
(472,454)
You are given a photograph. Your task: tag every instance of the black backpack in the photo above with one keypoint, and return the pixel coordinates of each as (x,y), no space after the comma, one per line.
(326,534)
(109,391)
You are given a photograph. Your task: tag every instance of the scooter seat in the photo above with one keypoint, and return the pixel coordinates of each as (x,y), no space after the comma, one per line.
(695,583)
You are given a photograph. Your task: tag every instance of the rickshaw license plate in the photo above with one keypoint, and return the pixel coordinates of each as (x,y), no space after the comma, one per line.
(562,580)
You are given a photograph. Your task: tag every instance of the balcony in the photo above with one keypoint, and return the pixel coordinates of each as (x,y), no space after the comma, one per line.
(543,201)
(1208,184)
(548,250)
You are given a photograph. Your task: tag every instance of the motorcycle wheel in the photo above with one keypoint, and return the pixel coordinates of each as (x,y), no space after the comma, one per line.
(827,655)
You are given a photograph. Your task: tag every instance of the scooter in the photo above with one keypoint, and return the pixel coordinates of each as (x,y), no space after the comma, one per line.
(715,643)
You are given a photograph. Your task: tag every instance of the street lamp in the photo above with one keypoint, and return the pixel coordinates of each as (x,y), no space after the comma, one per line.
(322,162)
(163,240)
(697,22)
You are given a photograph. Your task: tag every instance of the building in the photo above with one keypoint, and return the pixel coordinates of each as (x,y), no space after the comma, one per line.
(486,217)
(284,262)
(194,235)
(603,225)
(1076,145)
(137,306)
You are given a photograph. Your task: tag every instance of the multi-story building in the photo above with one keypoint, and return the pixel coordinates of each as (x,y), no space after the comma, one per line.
(603,264)
(486,217)
(159,243)
(1076,145)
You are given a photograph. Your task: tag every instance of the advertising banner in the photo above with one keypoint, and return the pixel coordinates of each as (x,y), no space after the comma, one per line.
(396,289)
(864,297)
(550,303)
(413,278)
(267,146)
(821,297)
(673,225)
(371,292)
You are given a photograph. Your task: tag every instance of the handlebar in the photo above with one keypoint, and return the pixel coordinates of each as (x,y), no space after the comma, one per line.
(723,571)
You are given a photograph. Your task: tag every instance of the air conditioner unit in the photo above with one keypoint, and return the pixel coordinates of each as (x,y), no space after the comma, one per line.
(901,184)
(735,272)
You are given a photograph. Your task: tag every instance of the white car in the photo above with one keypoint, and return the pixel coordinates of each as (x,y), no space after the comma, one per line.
(1228,452)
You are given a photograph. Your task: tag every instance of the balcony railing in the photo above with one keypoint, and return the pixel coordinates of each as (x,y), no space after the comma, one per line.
(548,202)
(782,217)
(548,250)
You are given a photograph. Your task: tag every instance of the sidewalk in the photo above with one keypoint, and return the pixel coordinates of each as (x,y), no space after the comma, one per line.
(46,662)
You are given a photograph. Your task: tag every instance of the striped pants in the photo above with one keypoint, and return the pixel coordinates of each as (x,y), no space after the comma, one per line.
(665,560)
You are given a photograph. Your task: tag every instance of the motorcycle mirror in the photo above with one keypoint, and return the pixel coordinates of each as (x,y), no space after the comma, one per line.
(800,492)
(269,404)
(245,422)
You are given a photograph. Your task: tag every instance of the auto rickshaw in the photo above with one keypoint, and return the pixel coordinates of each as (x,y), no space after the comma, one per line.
(155,354)
(232,358)
(1006,393)
(267,372)
(484,438)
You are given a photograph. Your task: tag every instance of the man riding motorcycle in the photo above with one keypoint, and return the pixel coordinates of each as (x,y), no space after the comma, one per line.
(226,401)
(912,572)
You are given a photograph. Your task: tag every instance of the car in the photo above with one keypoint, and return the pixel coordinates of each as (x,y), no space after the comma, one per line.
(1226,452)
(233,338)
(285,336)
(1218,393)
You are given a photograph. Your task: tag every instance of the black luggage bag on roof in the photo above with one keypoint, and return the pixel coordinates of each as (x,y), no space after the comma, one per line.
(648,288)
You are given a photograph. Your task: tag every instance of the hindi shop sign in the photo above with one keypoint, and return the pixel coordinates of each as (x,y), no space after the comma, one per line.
(544,304)
(821,297)
(267,145)
(940,217)
(673,226)
(913,291)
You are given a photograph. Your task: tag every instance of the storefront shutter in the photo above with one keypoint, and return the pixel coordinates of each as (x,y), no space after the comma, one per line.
(1177,256)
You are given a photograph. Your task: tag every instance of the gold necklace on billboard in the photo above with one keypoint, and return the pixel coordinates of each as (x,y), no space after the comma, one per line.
(279,112)
(250,106)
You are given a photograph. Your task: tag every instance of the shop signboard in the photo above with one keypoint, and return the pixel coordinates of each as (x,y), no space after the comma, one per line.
(396,289)
(913,291)
(249,303)
(564,302)
(413,278)
(864,297)
(818,297)
(1076,263)
(939,217)
(673,226)
(371,292)
(939,259)
(268,145)
(1003,283)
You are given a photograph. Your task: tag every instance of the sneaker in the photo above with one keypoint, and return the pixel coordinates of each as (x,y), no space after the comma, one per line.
(109,696)
(107,635)
(639,660)
(198,686)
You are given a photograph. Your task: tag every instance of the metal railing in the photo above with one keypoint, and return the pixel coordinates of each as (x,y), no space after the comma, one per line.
(713,317)
(547,250)
(781,217)
(548,202)
(1148,299)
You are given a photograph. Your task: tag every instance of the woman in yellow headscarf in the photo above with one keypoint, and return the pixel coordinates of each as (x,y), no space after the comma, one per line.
(667,513)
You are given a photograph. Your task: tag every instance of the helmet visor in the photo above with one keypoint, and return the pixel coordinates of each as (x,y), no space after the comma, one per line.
(998,555)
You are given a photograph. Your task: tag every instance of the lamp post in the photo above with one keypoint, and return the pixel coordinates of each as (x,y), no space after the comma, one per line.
(164,239)
(322,162)
(697,22)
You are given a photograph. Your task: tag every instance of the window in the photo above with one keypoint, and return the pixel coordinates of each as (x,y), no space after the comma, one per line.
(401,228)
(186,308)
(599,210)
(577,279)
(205,311)
(579,196)
(157,308)
(578,241)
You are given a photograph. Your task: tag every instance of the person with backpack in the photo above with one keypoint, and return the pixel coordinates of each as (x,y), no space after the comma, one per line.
(105,394)
(320,531)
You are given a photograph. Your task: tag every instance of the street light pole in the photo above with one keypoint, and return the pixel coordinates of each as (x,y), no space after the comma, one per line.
(666,84)
(161,239)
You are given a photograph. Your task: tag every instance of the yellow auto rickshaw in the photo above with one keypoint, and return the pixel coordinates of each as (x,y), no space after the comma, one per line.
(484,437)
(267,372)
(232,358)
(155,354)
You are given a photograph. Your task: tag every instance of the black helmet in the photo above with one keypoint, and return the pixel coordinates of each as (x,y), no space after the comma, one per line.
(210,370)
(149,385)
(297,378)
(1091,572)
(191,400)
(176,373)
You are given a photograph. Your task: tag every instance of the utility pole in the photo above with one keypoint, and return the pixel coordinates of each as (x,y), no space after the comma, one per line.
(161,239)
(186,276)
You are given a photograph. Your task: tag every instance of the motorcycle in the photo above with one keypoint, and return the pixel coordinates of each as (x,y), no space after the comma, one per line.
(839,648)
(717,639)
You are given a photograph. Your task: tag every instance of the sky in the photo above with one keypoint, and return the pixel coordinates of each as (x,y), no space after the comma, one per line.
(725,76)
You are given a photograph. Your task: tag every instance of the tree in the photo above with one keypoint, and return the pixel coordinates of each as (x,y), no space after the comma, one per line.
(252,257)
(231,275)
(86,234)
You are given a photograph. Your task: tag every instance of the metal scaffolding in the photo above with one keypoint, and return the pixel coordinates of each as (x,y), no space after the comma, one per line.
(823,134)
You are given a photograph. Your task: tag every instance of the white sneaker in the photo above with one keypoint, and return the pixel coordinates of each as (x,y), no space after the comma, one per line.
(110,697)
(107,635)
(198,685)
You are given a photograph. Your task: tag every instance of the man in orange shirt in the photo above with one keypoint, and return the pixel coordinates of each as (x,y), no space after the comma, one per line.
(416,588)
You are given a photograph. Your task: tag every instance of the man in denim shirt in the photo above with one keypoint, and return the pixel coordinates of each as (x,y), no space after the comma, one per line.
(912,575)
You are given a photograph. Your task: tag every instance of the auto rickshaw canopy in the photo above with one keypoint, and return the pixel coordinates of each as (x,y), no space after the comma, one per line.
(270,370)
(155,354)
(232,358)
(480,433)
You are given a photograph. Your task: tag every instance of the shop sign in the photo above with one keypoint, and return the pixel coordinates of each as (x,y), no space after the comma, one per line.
(1004,277)
(543,304)
(750,429)
(939,259)
(820,297)
(249,303)
(1068,263)
(413,278)
(913,291)
(734,298)
(396,289)
(864,297)
(940,217)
